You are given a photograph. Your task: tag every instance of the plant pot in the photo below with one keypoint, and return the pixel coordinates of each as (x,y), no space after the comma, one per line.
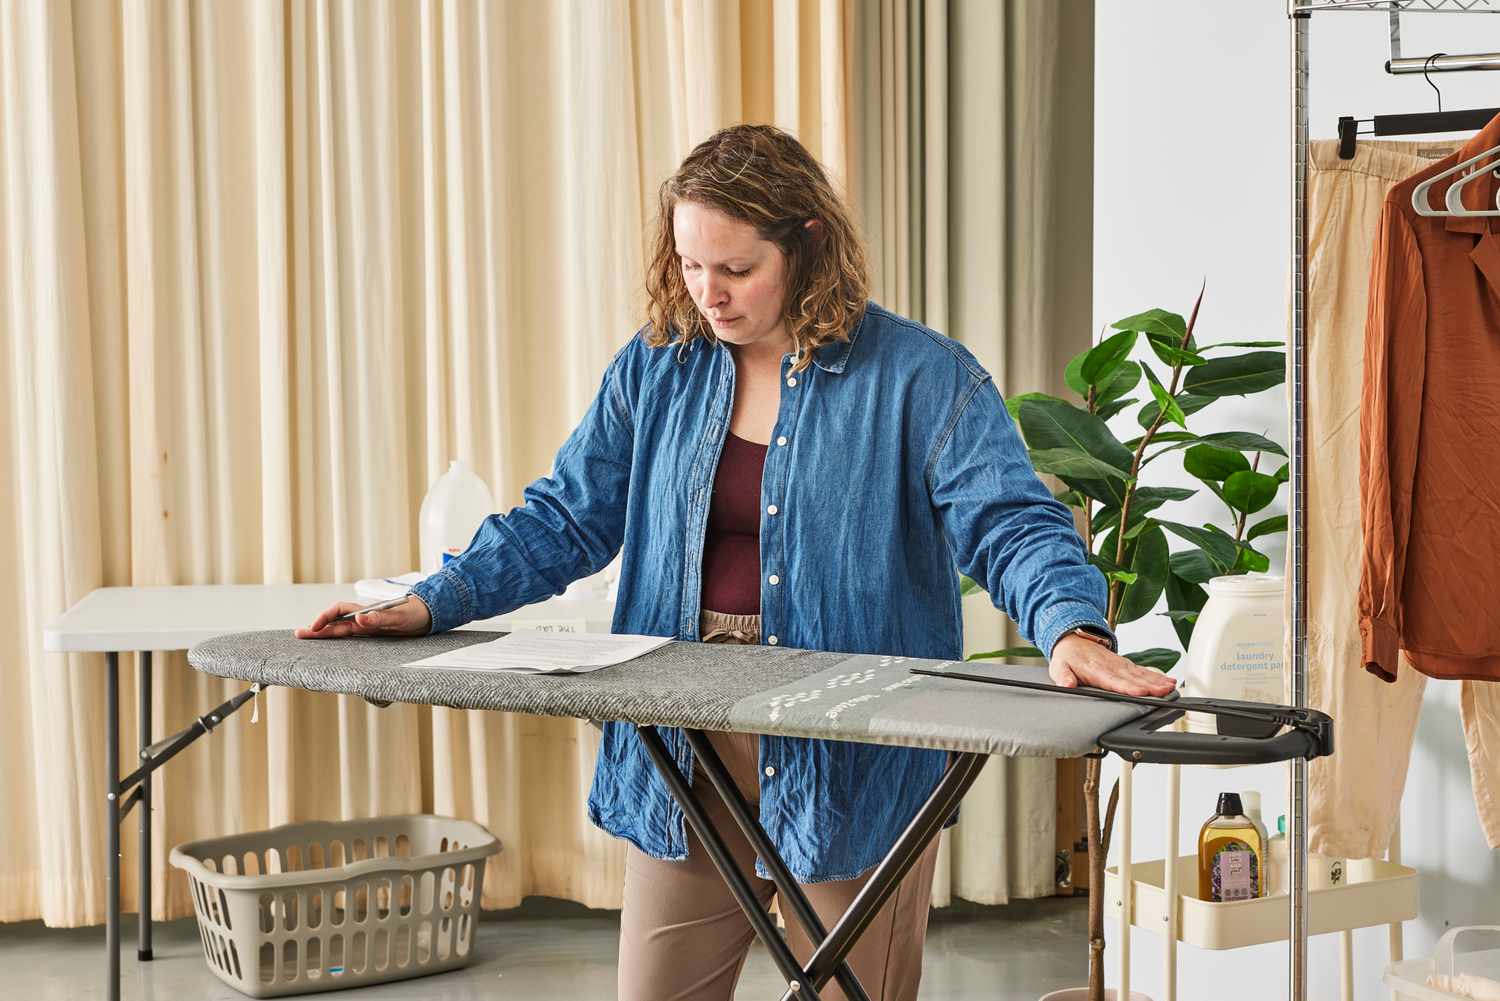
(1082,994)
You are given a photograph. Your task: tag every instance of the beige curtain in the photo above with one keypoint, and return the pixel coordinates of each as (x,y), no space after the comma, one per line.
(265,268)
(972,169)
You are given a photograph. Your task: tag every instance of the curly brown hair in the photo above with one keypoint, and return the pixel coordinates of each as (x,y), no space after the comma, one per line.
(763,176)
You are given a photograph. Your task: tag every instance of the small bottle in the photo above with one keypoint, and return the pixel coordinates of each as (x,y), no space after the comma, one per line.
(1278,861)
(1231,854)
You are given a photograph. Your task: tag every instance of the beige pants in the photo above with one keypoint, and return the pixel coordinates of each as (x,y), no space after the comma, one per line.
(684,938)
(1354,796)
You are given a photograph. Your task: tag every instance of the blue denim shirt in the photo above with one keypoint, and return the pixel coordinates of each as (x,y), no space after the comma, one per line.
(893,461)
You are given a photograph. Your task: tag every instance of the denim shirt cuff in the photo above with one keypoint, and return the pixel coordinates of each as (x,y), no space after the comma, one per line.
(1066,616)
(448,599)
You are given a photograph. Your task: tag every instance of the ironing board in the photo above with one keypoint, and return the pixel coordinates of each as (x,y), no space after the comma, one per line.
(699,687)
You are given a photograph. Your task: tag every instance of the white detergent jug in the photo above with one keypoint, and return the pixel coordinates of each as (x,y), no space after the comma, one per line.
(451,513)
(1235,652)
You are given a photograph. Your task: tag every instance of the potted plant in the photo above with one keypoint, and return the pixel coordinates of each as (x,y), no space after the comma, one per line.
(1105,479)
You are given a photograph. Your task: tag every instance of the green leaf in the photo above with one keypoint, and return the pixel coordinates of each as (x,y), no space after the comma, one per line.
(1160,657)
(1221,549)
(1013,403)
(1126,378)
(1250,561)
(1194,566)
(1151,566)
(1104,491)
(1009,653)
(1164,399)
(1163,436)
(1100,363)
(1242,344)
(1185,599)
(1167,350)
(1073,374)
(1189,402)
(1268,527)
(967,586)
(1143,501)
(1049,424)
(1238,375)
(1106,564)
(1108,410)
(1156,321)
(1240,441)
(1070,497)
(1123,576)
(1284,473)
(1213,464)
(1250,491)
(1073,464)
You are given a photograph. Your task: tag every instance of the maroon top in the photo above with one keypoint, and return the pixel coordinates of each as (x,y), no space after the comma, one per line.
(731,549)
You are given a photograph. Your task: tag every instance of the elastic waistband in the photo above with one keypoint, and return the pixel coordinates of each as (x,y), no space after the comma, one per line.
(1392,159)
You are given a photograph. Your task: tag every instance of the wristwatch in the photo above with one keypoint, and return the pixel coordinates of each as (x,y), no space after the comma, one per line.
(1092,634)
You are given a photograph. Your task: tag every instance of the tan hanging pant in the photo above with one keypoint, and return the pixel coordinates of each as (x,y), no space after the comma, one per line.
(1354,796)
(684,938)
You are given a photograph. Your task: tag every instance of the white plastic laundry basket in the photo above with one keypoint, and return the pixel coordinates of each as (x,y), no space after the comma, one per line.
(320,906)
(1408,978)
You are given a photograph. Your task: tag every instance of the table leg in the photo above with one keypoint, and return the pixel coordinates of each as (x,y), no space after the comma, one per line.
(143,940)
(112,823)
(760,920)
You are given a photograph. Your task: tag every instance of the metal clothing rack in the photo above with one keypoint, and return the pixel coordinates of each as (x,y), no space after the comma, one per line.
(1299,13)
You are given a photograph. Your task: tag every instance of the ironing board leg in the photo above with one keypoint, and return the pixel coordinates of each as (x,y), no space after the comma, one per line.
(724,862)
(830,954)
(786,885)
(961,772)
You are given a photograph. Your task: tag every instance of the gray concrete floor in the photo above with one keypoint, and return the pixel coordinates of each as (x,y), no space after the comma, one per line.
(549,949)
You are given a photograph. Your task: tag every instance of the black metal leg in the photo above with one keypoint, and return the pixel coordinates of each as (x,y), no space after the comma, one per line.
(143,717)
(786,885)
(112,823)
(926,825)
(781,953)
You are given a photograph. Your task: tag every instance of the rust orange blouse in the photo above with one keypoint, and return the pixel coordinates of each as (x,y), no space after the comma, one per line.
(1430,434)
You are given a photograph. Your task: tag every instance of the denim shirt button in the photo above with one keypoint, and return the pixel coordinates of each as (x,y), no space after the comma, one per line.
(791,381)
(781,441)
(772,509)
(770,771)
(771,640)
(774,579)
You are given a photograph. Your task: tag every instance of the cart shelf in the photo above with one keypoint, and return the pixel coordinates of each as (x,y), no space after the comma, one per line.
(1378,893)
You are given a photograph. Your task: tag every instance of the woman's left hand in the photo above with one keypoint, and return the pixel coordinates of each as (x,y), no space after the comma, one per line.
(1077,661)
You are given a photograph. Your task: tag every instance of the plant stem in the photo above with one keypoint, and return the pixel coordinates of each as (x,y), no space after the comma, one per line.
(1096,880)
(1099,839)
(1117,588)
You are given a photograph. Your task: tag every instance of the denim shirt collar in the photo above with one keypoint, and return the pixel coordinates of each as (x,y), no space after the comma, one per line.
(833,357)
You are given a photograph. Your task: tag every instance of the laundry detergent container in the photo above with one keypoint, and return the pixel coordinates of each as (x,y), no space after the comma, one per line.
(321,906)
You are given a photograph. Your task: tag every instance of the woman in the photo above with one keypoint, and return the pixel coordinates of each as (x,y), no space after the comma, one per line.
(783,463)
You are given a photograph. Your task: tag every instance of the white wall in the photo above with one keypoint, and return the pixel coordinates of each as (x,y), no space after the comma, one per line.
(1192,183)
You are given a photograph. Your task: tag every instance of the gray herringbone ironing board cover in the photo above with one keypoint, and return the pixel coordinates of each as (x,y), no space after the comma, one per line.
(754,689)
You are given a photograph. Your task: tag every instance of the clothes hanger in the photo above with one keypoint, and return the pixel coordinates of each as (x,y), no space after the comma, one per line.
(1418,123)
(1426,123)
(1445,121)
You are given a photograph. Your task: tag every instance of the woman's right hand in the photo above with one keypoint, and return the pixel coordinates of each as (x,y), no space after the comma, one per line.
(410,618)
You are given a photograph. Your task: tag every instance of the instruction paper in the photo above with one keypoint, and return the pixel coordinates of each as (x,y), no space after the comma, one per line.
(528,651)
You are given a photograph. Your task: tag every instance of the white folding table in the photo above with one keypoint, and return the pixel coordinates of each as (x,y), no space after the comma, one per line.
(140,620)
